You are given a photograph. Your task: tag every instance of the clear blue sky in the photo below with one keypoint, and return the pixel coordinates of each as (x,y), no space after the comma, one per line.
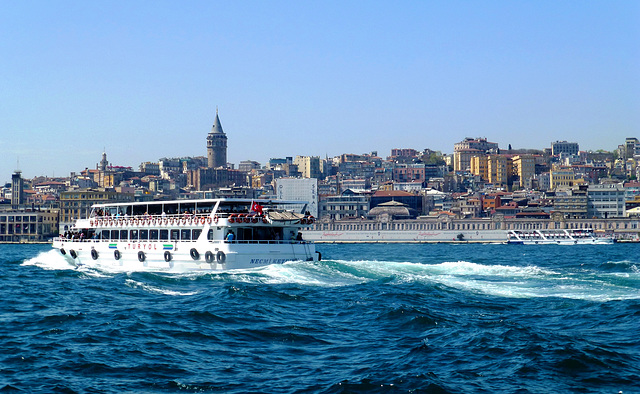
(142,79)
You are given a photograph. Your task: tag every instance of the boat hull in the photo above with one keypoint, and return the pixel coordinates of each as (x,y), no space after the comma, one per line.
(181,256)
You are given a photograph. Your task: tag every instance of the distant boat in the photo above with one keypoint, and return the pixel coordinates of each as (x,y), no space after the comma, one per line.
(188,235)
(557,237)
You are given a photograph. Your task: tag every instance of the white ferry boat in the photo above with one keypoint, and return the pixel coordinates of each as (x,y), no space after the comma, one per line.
(188,235)
(557,237)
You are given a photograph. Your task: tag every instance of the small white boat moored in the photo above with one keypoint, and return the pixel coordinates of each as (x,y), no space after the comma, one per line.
(188,235)
(557,237)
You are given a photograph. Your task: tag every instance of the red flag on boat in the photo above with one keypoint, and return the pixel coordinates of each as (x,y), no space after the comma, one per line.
(255,207)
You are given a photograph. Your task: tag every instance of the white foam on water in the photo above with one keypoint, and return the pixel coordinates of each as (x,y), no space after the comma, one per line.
(157,290)
(50,260)
(496,280)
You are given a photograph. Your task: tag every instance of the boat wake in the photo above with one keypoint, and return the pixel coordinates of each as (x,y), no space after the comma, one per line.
(610,281)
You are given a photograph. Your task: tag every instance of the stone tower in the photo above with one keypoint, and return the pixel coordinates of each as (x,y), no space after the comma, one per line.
(102,166)
(17,190)
(217,145)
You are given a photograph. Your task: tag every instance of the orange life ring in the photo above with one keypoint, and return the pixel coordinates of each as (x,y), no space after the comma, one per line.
(231,219)
(215,219)
(264,220)
(303,221)
(247,219)
(254,220)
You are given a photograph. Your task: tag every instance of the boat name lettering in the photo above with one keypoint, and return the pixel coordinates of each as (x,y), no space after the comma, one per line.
(142,246)
(269,261)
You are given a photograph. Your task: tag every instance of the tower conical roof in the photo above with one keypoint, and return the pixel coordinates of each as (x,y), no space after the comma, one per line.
(217,127)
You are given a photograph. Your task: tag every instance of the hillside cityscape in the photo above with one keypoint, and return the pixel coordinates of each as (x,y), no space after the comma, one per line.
(478,180)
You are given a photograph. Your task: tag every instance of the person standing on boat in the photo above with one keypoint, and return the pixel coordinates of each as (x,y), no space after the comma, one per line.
(230,236)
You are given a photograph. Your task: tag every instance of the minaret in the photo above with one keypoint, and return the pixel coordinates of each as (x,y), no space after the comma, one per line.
(217,145)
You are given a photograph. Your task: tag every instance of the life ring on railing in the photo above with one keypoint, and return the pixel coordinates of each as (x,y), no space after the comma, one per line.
(203,221)
(265,220)
(215,219)
(194,254)
(303,221)
(209,257)
(246,219)
(310,220)
(90,222)
(232,218)
(254,219)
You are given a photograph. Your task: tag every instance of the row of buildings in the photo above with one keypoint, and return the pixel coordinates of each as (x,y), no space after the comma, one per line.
(479,180)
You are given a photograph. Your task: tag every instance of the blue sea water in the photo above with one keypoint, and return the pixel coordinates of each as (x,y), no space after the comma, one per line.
(368,318)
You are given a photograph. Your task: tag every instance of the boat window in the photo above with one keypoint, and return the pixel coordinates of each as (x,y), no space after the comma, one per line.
(187,207)
(155,209)
(144,235)
(123,234)
(133,235)
(196,234)
(185,234)
(164,235)
(175,234)
(139,210)
(153,235)
(210,235)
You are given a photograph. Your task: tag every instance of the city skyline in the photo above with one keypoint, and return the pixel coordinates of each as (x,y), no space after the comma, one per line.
(290,79)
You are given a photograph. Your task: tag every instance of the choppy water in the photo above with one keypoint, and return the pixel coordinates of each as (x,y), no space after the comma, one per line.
(368,318)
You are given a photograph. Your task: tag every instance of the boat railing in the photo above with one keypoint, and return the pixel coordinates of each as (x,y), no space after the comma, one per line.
(184,215)
(144,241)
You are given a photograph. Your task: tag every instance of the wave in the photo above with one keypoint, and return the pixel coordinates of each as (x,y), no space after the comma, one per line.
(49,260)
(609,281)
(495,280)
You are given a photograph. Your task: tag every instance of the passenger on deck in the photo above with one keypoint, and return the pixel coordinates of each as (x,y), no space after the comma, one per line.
(230,237)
